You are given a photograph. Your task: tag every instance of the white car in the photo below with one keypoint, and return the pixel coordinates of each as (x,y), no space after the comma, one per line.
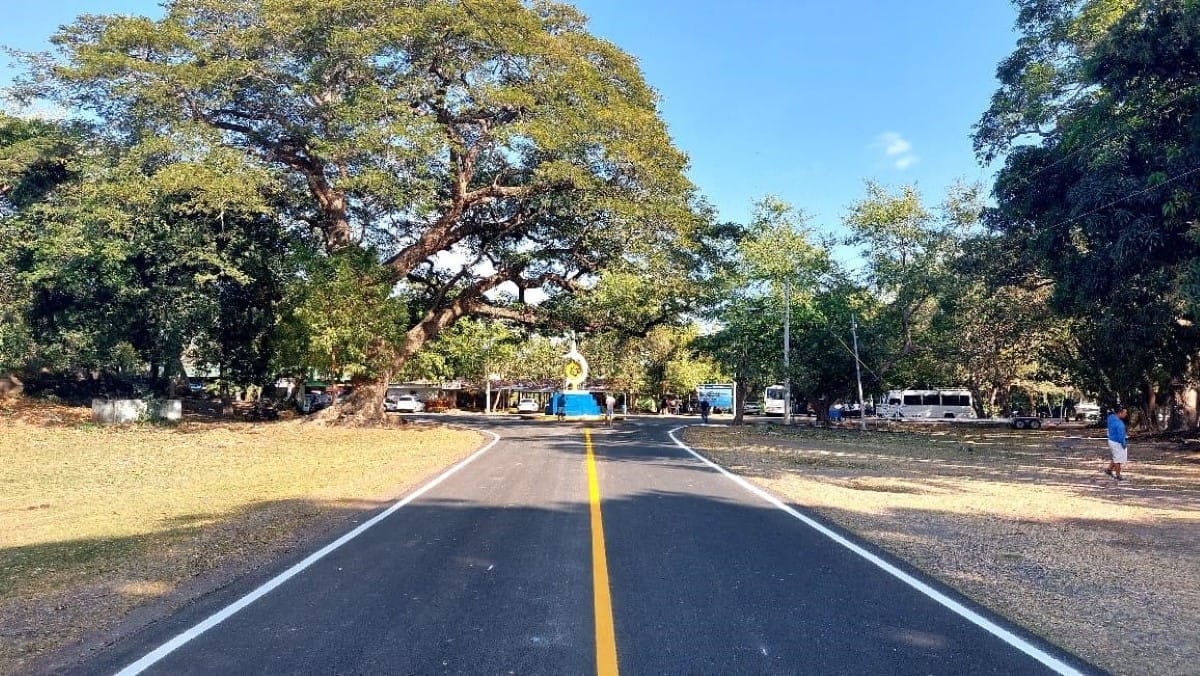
(405,403)
(528,406)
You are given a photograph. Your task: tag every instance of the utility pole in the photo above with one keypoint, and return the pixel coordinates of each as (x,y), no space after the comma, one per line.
(862,410)
(487,376)
(787,351)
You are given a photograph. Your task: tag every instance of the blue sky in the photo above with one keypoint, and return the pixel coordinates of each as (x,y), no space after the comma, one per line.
(803,99)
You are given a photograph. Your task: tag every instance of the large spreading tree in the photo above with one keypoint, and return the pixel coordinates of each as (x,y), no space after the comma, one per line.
(488,153)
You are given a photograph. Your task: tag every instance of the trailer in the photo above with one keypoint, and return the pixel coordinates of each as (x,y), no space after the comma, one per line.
(1026,422)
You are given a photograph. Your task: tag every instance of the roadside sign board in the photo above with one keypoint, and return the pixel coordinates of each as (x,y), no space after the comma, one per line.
(720,395)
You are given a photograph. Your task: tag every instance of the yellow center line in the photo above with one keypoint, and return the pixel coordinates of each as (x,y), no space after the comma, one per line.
(606,639)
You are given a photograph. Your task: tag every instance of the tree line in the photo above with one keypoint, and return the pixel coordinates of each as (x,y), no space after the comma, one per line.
(380,190)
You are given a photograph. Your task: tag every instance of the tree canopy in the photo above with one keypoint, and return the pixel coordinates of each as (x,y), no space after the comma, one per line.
(1097,118)
(372,189)
(492,156)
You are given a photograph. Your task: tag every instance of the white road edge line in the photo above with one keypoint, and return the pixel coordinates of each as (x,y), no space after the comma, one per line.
(225,613)
(973,617)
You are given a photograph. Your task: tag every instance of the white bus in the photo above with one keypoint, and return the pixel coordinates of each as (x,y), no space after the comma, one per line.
(954,403)
(774,400)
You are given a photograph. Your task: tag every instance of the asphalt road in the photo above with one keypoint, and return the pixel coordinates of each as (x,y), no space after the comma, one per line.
(494,570)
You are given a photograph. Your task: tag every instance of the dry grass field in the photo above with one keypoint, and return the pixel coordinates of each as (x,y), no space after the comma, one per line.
(1018,521)
(105,528)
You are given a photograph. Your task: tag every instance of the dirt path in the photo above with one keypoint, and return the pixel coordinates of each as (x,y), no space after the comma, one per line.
(1024,523)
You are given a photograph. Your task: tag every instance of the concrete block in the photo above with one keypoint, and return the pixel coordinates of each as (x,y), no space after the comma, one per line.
(116,411)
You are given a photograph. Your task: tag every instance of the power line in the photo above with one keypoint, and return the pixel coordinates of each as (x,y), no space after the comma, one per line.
(851,351)
(1143,191)
(1110,135)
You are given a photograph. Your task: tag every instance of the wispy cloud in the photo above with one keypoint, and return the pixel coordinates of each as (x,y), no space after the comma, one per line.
(897,149)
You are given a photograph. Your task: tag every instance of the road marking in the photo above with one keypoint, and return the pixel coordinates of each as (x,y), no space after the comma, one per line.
(966,613)
(225,613)
(606,639)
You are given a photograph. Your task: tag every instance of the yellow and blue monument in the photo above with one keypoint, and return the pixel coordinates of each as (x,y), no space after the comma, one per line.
(573,399)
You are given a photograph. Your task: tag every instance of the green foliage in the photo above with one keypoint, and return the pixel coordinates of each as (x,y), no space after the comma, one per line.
(148,254)
(341,318)
(774,253)
(498,130)
(948,305)
(476,349)
(35,158)
(667,359)
(778,247)
(1104,205)
(909,251)
(749,341)
(536,359)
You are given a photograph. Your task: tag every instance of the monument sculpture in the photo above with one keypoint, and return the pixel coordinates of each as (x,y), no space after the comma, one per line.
(574,399)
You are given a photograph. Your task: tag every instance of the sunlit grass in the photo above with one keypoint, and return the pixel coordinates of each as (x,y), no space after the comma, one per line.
(1021,523)
(95,520)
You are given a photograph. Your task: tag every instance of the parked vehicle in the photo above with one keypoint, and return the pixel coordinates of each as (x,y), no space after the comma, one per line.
(312,401)
(390,397)
(405,403)
(752,408)
(773,400)
(853,411)
(949,403)
(528,406)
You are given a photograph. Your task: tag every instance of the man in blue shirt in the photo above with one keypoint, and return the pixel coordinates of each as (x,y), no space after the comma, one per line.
(1117,443)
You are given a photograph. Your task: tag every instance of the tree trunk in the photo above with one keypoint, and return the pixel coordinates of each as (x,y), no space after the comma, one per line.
(226,400)
(822,410)
(739,393)
(1176,419)
(362,408)
(1150,408)
(1190,412)
(977,402)
(180,380)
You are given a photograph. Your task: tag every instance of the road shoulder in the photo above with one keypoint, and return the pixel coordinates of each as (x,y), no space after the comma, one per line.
(1028,537)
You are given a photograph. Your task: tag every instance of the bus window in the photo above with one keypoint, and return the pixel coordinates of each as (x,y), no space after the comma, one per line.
(912,400)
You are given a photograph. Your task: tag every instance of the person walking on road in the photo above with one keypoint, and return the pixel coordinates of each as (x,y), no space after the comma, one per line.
(1118,445)
(705,407)
(610,403)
